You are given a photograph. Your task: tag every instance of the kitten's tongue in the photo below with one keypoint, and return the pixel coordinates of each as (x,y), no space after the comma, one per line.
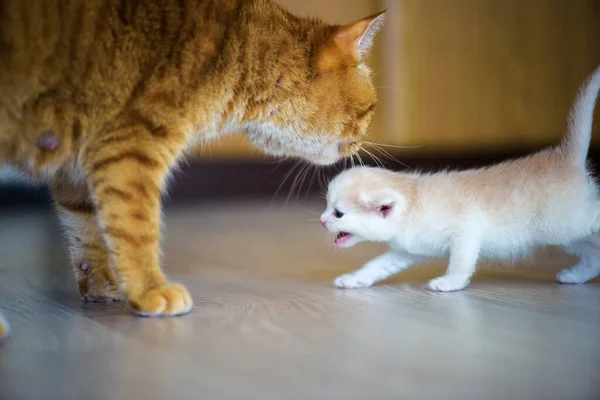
(342,238)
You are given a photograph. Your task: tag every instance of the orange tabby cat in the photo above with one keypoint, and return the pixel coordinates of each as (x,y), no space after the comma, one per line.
(101,98)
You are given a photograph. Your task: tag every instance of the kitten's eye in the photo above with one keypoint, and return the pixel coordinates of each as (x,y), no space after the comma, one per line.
(337,213)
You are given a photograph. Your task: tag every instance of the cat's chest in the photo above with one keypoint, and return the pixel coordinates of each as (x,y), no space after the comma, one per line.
(420,243)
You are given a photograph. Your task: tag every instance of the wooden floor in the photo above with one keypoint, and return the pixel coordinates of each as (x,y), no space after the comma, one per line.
(268,325)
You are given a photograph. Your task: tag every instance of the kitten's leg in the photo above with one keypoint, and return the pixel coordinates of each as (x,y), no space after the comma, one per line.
(377,269)
(126,181)
(463,259)
(89,254)
(588,267)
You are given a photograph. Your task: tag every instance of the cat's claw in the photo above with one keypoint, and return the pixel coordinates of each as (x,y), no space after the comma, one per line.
(165,301)
(350,281)
(449,283)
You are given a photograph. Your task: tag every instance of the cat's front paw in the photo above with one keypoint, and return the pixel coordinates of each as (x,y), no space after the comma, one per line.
(165,301)
(98,284)
(571,276)
(350,281)
(449,283)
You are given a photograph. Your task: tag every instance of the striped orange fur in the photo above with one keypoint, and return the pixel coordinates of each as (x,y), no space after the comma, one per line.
(101,98)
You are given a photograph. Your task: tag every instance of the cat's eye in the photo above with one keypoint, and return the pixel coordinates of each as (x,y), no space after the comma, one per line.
(337,213)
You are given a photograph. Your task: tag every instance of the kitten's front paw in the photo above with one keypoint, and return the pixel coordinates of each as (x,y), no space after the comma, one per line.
(350,281)
(449,283)
(165,301)
(98,284)
(571,276)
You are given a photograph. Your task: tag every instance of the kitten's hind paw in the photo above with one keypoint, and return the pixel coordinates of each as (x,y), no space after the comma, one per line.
(449,283)
(165,301)
(350,281)
(572,276)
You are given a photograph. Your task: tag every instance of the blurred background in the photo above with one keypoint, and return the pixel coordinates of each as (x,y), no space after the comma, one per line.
(461,82)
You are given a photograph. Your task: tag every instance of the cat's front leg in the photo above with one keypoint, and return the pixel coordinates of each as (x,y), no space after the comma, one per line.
(90,260)
(464,252)
(377,269)
(126,180)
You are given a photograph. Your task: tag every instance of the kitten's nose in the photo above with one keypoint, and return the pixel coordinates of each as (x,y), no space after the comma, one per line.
(322,223)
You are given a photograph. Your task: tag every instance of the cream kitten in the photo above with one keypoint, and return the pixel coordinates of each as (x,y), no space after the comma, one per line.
(499,212)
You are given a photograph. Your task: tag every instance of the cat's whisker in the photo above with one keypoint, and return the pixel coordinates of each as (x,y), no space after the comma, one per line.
(284,179)
(311,181)
(393,145)
(303,175)
(378,162)
(295,181)
(389,156)
(360,160)
(298,181)
(309,168)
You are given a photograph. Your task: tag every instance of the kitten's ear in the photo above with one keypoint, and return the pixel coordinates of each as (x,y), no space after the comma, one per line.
(348,44)
(356,39)
(383,201)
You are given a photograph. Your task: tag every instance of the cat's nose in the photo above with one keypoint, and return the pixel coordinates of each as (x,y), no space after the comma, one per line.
(322,223)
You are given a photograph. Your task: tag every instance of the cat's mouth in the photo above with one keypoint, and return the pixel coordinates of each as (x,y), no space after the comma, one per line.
(342,238)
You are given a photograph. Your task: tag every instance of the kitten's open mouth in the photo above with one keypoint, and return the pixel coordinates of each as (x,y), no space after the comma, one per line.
(342,238)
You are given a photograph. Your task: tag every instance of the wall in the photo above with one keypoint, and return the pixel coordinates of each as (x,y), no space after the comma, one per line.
(466,74)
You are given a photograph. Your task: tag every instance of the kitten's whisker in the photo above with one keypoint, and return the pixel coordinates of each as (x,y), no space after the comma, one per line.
(311,211)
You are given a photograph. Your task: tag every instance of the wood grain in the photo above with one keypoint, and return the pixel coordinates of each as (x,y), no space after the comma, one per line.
(267,324)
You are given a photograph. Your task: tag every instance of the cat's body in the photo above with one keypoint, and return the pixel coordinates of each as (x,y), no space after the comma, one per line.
(501,212)
(101,98)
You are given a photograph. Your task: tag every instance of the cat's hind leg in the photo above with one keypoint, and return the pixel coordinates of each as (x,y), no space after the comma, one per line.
(377,269)
(588,267)
(90,259)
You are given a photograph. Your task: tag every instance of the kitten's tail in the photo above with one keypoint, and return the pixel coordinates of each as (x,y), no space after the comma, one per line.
(576,143)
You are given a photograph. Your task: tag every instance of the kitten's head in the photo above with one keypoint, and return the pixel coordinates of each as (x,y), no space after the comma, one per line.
(323,99)
(363,204)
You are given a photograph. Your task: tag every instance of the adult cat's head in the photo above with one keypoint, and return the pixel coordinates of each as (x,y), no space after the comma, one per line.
(317,97)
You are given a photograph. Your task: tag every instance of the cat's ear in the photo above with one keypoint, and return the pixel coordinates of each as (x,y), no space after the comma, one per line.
(356,39)
(346,45)
(383,201)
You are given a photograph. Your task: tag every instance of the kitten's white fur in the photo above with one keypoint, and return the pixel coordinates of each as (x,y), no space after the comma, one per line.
(500,212)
